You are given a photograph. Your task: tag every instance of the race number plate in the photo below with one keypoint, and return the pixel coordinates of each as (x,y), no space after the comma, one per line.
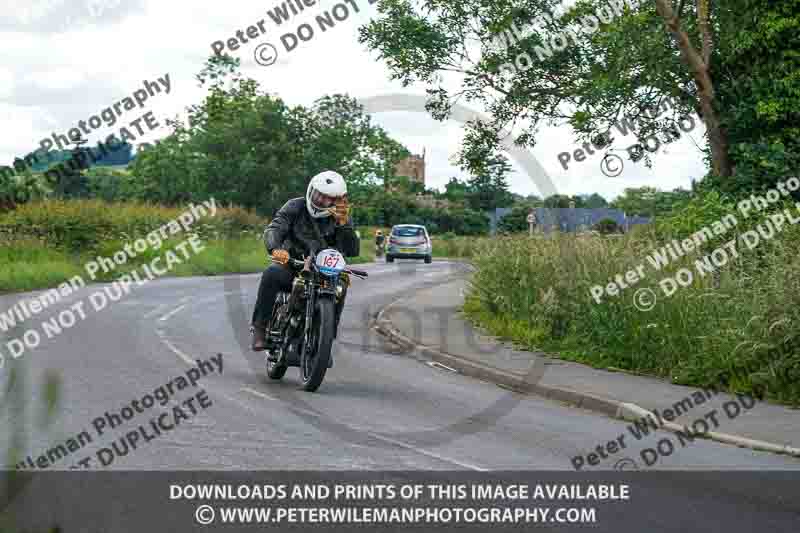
(330,262)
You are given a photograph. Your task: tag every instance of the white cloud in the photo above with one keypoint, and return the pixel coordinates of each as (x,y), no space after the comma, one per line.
(6,83)
(56,79)
(61,73)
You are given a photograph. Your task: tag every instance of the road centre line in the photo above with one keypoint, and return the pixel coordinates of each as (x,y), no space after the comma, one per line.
(173,348)
(172,313)
(389,440)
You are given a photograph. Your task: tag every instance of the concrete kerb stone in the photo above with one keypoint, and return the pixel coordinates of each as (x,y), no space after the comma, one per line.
(620,410)
(632,412)
(476,369)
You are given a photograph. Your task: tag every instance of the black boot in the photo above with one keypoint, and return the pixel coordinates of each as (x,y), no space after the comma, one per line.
(259,337)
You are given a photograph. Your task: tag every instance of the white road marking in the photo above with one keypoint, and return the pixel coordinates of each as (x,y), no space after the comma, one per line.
(426,452)
(293,408)
(434,364)
(261,394)
(155,311)
(174,349)
(395,442)
(172,313)
(214,298)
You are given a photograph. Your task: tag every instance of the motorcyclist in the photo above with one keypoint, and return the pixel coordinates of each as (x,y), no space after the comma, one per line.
(379,240)
(302,227)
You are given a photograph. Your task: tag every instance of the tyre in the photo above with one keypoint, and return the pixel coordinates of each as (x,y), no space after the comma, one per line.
(275,370)
(389,259)
(314,361)
(428,259)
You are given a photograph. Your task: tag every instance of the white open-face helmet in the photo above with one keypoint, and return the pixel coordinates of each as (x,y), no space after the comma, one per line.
(323,191)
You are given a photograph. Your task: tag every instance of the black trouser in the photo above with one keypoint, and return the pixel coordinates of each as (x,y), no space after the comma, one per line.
(276,278)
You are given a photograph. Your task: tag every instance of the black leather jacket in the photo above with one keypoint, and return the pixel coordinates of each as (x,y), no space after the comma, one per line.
(293,230)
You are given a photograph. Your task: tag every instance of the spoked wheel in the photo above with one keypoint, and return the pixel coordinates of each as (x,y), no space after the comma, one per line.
(275,370)
(317,347)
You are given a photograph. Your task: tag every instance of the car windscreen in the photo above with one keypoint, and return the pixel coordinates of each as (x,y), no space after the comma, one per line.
(408,232)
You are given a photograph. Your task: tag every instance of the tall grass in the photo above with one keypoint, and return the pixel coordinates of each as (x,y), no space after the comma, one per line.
(745,333)
(42,244)
(81,225)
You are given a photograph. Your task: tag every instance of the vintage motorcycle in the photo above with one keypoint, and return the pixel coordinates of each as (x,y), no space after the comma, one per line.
(305,321)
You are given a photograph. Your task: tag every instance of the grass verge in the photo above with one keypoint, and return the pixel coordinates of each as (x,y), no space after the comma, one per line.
(742,333)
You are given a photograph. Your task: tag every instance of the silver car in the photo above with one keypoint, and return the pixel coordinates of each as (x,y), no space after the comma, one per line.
(409,241)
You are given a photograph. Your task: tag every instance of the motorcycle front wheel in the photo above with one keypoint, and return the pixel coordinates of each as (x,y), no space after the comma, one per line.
(317,349)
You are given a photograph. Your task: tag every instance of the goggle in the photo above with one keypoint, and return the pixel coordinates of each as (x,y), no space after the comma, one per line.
(322,200)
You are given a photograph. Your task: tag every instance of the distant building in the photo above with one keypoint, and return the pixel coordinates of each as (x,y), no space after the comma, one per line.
(574,220)
(412,167)
(582,219)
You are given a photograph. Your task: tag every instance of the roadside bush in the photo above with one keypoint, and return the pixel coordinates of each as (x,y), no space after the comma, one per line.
(453,246)
(516,221)
(16,190)
(80,225)
(607,226)
(743,331)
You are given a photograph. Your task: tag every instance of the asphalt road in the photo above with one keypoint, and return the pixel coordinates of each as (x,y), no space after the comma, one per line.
(376,410)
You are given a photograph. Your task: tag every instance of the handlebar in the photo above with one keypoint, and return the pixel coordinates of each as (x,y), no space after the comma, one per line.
(301,264)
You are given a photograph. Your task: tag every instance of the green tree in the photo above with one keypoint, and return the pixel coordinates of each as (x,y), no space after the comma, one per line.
(697,54)
(488,188)
(558,201)
(649,201)
(595,201)
(456,191)
(249,148)
(345,139)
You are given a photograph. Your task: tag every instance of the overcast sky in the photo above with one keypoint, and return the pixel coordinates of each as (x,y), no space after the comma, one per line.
(66,60)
